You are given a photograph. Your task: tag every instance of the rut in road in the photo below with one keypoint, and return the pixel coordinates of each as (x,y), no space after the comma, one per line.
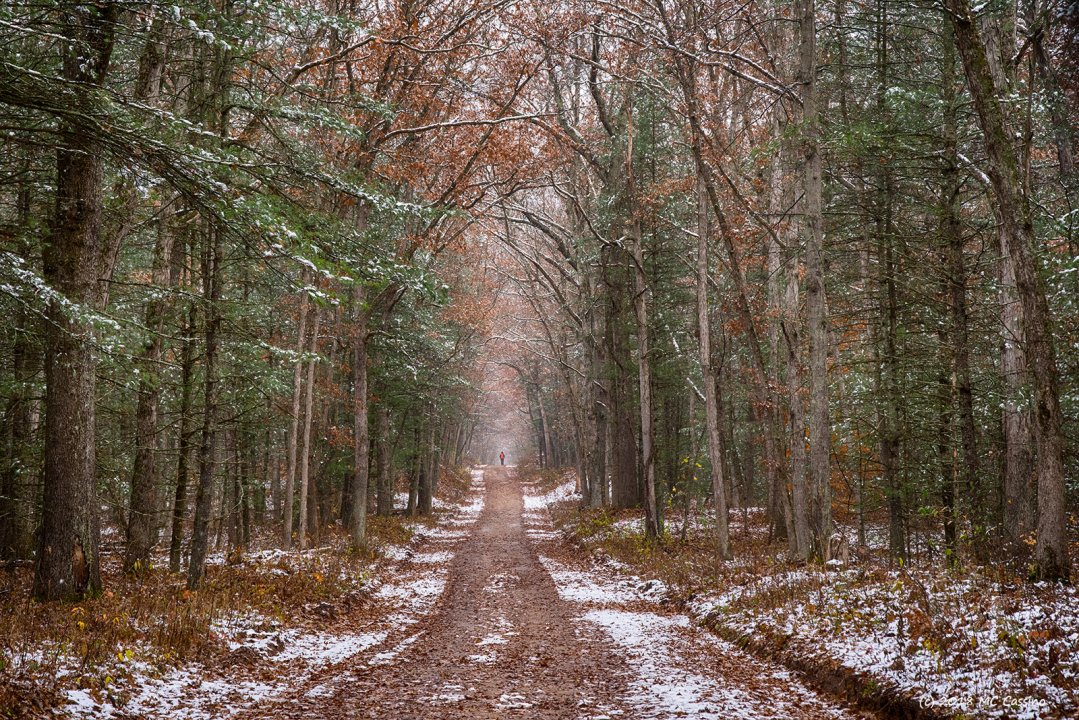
(503,643)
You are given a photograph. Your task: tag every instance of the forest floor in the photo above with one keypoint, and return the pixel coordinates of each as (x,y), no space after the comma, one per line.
(917,640)
(487,612)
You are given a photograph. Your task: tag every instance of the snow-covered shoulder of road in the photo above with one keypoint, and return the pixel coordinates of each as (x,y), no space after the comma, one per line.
(267,658)
(960,643)
(677,668)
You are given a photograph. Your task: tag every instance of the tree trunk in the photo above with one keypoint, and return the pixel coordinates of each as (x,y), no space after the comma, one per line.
(547,447)
(426,452)
(625,486)
(798,540)
(294,418)
(888,397)
(233,495)
(308,420)
(271,476)
(213,257)
(1063,128)
(885,331)
(711,406)
(780,512)
(414,476)
(1020,472)
(819,497)
(763,393)
(16,484)
(361,435)
(183,457)
(384,504)
(956,296)
(1052,561)
(68,561)
(142,524)
(653,520)
(597,398)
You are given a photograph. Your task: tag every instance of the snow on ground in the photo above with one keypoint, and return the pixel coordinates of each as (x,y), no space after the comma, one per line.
(272,658)
(438,557)
(565,491)
(441,532)
(191,693)
(965,643)
(701,520)
(673,662)
(953,643)
(574,586)
(536,521)
(387,656)
(400,502)
(671,680)
(270,640)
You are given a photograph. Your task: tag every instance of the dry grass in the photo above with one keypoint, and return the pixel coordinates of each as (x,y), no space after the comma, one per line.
(687,563)
(153,620)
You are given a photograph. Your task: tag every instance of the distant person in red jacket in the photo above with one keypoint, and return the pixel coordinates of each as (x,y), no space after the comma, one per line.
(502,458)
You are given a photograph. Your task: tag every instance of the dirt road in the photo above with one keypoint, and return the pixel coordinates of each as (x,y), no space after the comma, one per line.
(503,642)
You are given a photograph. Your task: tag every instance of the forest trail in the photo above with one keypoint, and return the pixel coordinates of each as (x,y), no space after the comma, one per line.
(510,638)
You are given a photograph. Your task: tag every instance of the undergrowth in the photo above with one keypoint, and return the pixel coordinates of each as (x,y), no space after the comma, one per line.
(153,622)
(928,626)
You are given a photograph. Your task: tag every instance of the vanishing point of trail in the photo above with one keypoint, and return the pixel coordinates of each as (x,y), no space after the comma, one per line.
(502,642)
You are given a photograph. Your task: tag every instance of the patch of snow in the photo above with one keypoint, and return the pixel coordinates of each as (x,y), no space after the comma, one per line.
(388,656)
(565,491)
(493,639)
(579,587)
(421,588)
(671,682)
(512,701)
(433,558)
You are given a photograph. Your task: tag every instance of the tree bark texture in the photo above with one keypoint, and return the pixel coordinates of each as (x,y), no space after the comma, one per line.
(361,433)
(68,562)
